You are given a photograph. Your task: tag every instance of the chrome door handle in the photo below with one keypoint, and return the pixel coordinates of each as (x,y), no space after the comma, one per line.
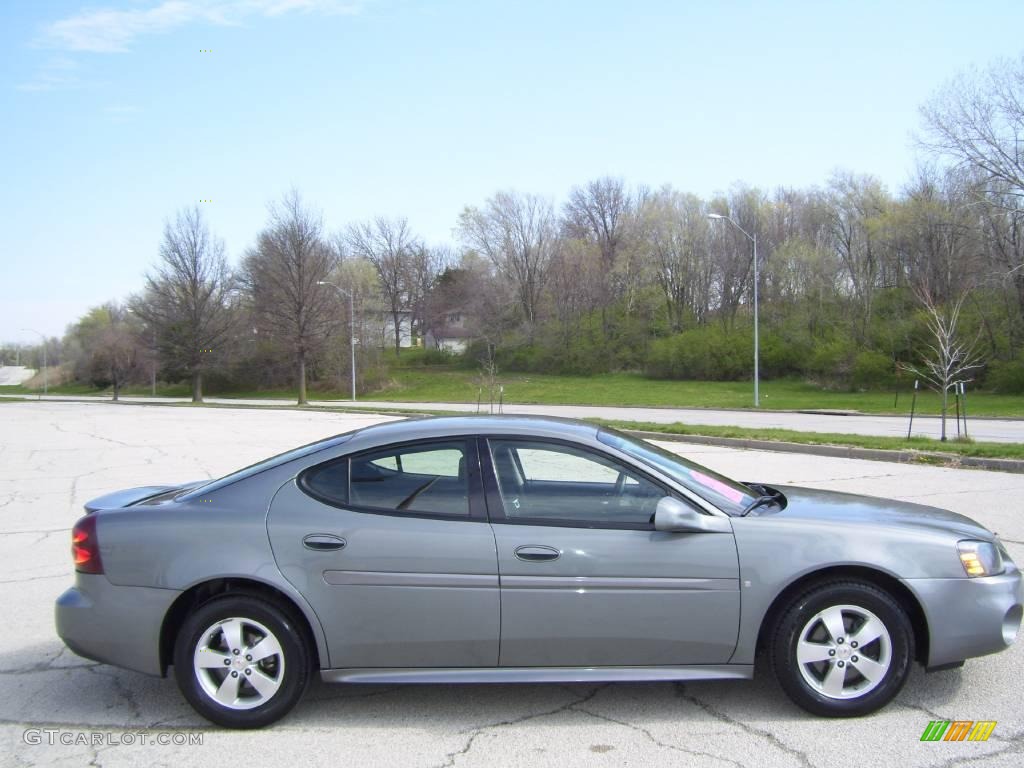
(537,554)
(323,542)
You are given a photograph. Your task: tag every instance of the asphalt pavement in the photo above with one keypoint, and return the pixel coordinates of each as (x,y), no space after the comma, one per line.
(54,456)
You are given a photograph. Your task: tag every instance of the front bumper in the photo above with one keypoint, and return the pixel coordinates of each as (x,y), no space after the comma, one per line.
(112,624)
(970,617)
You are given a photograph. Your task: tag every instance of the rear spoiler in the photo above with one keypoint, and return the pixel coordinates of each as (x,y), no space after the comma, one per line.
(129,496)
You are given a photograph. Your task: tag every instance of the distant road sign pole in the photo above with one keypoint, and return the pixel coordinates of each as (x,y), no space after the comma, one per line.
(913,403)
(45,386)
(757,356)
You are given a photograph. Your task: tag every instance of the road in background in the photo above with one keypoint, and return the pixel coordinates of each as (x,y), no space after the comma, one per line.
(985,430)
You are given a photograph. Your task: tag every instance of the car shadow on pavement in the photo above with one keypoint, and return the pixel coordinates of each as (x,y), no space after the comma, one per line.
(65,689)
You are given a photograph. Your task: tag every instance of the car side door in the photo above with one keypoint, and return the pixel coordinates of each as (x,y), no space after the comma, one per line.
(585,578)
(392,549)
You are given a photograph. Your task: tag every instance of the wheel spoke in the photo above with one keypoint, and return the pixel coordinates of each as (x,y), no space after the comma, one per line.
(872,670)
(808,653)
(207,658)
(265,648)
(833,621)
(232,629)
(227,692)
(870,631)
(834,681)
(263,683)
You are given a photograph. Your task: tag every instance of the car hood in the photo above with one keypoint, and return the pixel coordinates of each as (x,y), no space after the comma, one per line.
(825,506)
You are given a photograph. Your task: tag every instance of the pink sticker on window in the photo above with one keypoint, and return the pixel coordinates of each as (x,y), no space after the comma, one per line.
(718,487)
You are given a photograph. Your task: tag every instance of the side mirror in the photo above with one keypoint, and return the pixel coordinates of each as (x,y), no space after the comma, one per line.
(675,516)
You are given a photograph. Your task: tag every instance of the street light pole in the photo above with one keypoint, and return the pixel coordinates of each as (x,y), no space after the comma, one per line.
(45,384)
(352,330)
(757,337)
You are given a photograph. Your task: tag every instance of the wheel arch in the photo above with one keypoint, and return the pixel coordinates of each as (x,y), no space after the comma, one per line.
(884,581)
(203,591)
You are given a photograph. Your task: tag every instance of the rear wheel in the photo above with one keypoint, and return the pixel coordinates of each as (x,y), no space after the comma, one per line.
(843,649)
(241,662)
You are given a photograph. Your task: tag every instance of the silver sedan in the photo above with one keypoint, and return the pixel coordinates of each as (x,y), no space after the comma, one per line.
(496,549)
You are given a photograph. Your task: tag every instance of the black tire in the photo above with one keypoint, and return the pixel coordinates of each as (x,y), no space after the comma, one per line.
(796,619)
(290,678)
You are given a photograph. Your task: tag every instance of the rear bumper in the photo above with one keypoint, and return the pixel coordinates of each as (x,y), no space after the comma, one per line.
(970,617)
(114,625)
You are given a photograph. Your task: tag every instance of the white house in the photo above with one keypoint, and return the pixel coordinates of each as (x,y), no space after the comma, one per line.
(451,334)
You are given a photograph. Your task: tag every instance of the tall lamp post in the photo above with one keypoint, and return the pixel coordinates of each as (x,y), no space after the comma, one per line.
(352,329)
(45,384)
(757,356)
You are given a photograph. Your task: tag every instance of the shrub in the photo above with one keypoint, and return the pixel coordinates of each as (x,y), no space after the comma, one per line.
(1007,376)
(872,370)
(709,353)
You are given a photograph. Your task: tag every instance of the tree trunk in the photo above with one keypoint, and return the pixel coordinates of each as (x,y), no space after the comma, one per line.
(302,377)
(197,387)
(398,335)
(117,387)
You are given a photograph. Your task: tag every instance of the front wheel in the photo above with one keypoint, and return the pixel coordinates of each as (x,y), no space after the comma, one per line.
(843,649)
(241,662)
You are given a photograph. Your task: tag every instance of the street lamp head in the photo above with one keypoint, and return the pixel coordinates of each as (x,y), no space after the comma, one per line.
(715,216)
(322,282)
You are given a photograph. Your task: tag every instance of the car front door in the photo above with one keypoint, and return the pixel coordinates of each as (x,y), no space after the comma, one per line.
(585,578)
(393,551)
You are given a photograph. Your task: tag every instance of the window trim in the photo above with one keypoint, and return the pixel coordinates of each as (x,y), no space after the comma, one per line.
(477,508)
(496,506)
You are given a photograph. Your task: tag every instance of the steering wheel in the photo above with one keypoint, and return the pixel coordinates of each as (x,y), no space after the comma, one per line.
(620,484)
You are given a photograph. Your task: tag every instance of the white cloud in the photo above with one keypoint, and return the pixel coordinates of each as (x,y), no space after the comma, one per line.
(110,30)
(59,72)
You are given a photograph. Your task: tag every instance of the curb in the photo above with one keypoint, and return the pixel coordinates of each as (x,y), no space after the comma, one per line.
(842,451)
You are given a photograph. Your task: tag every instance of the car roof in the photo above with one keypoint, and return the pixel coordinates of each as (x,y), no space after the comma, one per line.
(483,424)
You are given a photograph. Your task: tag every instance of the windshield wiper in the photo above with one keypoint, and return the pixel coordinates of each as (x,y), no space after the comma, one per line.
(760,501)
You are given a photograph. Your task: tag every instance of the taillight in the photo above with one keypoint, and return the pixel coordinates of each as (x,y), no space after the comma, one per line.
(85,547)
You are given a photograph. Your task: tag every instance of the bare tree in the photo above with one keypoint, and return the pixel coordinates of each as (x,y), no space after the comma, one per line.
(854,205)
(949,357)
(283,274)
(978,121)
(600,213)
(390,246)
(518,234)
(188,298)
(676,236)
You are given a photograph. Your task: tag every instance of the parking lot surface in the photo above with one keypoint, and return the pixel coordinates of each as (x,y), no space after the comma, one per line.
(55,456)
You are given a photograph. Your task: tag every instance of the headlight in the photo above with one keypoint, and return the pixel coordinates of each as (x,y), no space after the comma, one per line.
(980,558)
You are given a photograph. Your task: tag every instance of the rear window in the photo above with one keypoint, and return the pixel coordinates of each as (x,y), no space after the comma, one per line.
(262,466)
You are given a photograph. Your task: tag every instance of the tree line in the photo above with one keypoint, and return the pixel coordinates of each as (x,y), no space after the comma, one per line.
(854,279)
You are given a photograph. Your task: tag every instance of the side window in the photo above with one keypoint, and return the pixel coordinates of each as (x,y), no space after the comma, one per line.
(549,482)
(429,478)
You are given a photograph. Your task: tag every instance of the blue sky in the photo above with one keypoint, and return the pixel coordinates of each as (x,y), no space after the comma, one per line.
(111,117)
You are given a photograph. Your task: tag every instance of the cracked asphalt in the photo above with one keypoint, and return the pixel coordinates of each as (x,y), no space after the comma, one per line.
(54,456)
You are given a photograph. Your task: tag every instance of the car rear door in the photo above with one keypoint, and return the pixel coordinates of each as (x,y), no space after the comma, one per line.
(585,578)
(392,549)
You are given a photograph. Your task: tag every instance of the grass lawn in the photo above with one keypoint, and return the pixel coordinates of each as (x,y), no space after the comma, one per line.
(441,384)
(429,385)
(956,447)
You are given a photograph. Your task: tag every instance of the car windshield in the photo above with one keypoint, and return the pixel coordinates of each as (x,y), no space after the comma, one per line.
(728,495)
(260,466)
